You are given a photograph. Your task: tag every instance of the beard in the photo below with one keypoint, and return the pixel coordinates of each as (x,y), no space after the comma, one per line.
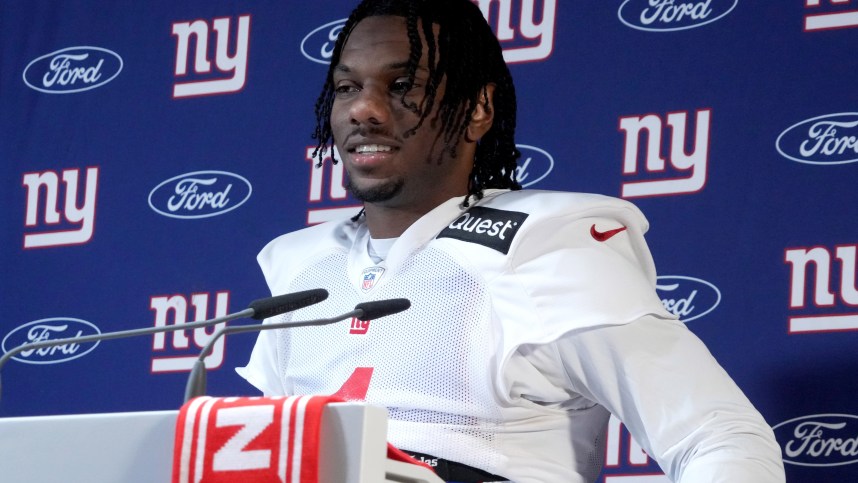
(375,194)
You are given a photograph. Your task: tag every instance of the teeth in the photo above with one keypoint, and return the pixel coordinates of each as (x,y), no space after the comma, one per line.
(372,148)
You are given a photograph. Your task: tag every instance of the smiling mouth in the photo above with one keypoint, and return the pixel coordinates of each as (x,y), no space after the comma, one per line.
(372,148)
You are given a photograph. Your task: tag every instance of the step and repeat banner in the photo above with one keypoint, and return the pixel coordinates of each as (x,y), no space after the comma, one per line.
(149,150)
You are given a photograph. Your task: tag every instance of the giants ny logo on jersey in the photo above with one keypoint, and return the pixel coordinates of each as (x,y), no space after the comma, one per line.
(830,14)
(44,226)
(327,190)
(625,460)
(682,172)
(832,297)
(229,56)
(359,327)
(174,351)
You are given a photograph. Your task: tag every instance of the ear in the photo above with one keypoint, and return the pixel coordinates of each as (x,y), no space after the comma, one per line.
(483,116)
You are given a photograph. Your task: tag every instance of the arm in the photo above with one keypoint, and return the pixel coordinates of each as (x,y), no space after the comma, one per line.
(677,402)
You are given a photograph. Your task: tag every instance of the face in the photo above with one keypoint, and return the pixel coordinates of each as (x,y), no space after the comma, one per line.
(369,121)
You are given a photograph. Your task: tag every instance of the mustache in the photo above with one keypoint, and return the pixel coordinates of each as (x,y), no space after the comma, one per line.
(370,131)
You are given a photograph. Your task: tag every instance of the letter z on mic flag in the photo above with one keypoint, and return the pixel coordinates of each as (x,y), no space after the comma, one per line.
(265,439)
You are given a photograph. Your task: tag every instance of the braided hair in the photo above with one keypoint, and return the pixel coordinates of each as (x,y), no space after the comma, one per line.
(467,53)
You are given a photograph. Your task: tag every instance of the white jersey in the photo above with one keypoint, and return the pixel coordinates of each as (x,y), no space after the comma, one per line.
(529,311)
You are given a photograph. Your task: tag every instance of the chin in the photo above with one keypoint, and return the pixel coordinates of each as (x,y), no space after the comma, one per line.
(375,193)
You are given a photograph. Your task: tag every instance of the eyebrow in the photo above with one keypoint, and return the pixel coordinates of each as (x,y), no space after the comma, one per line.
(392,66)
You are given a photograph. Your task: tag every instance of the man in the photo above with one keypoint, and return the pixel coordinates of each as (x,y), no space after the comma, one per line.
(534,314)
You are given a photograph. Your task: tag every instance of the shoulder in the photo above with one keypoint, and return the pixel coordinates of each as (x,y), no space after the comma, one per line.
(542,206)
(291,250)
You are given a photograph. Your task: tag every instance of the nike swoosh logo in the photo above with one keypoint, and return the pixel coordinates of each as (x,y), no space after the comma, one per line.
(605,235)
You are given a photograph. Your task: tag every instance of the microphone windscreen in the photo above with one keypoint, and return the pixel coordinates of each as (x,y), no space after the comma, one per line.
(271,306)
(381,308)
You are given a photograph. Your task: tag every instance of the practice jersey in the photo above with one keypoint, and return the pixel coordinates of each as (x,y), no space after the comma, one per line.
(489,285)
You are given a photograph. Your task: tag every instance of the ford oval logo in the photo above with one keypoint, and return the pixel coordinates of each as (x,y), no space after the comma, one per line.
(688,298)
(819,440)
(318,45)
(50,329)
(200,194)
(829,139)
(533,166)
(73,69)
(673,15)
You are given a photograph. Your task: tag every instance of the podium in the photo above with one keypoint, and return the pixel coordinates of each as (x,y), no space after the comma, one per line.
(137,447)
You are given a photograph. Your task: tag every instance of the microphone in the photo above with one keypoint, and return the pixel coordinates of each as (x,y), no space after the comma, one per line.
(364,311)
(258,309)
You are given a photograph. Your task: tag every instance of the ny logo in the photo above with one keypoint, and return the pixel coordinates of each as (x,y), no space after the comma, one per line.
(336,189)
(823,297)
(524,39)
(79,220)
(359,327)
(834,19)
(235,66)
(177,305)
(687,173)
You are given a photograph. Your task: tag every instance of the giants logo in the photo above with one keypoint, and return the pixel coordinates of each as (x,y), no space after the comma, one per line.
(79,221)
(689,173)
(236,65)
(186,356)
(842,14)
(336,190)
(359,327)
(522,37)
(819,440)
(672,15)
(622,453)
(526,40)
(829,139)
(823,298)
(74,69)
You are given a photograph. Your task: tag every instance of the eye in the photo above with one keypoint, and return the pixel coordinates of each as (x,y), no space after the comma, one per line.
(401,86)
(345,89)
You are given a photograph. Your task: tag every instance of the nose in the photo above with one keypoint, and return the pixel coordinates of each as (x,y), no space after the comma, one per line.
(369,107)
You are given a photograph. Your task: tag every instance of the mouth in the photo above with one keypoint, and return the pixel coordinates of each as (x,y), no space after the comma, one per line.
(371,149)
(370,156)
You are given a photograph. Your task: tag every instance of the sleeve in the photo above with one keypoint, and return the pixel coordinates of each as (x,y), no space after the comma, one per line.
(660,380)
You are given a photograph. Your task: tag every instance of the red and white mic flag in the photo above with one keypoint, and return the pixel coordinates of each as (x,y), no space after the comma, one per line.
(260,439)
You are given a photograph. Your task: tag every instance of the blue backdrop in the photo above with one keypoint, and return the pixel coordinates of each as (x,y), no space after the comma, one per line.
(149,150)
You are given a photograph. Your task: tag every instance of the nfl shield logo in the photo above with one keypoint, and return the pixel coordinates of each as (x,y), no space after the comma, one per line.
(370,277)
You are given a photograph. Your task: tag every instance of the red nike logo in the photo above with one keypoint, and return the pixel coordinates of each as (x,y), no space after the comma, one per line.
(605,235)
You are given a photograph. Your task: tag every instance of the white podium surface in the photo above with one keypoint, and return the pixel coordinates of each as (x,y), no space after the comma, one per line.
(138,448)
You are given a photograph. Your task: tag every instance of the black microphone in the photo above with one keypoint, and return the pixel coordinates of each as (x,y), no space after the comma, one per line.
(364,311)
(258,309)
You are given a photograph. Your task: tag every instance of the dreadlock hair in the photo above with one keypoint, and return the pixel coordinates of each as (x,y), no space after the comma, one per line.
(468,54)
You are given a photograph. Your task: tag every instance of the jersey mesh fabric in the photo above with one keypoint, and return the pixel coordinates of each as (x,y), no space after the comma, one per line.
(430,363)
